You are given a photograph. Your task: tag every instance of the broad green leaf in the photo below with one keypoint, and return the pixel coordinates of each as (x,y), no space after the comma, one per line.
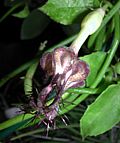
(103,114)
(66,11)
(22,14)
(34,25)
(95,61)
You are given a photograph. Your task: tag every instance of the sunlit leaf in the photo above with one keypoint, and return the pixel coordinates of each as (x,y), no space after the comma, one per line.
(66,11)
(103,114)
(95,61)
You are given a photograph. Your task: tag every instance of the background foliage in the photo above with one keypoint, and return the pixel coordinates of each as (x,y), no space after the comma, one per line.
(93,110)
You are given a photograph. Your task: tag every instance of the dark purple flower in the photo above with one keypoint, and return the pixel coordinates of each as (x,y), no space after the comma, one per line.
(65,68)
(67,71)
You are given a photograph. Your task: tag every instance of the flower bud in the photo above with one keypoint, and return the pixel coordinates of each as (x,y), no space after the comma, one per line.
(89,25)
(93,20)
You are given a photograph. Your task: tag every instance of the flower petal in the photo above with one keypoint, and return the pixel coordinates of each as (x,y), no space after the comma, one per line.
(62,59)
(46,63)
(76,84)
(80,71)
(44,93)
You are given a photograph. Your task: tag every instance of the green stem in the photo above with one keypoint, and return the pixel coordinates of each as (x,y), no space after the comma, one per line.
(78,42)
(42,130)
(28,78)
(16,72)
(111,53)
(84,90)
(76,92)
(15,120)
(10,11)
(72,101)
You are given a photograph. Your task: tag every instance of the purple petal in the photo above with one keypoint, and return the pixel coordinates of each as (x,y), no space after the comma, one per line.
(80,71)
(75,84)
(62,59)
(44,93)
(46,63)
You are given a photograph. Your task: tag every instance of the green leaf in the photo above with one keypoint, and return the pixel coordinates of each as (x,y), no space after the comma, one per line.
(101,37)
(34,25)
(103,114)
(22,14)
(95,61)
(66,11)
(6,132)
(17,119)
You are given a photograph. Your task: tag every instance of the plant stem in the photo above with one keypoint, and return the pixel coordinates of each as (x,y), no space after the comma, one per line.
(16,72)
(111,53)
(84,90)
(10,11)
(41,130)
(15,120)
(78,42)
(28,78)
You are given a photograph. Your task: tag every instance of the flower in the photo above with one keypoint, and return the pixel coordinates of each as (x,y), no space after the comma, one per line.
(67,71)
(65,67)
